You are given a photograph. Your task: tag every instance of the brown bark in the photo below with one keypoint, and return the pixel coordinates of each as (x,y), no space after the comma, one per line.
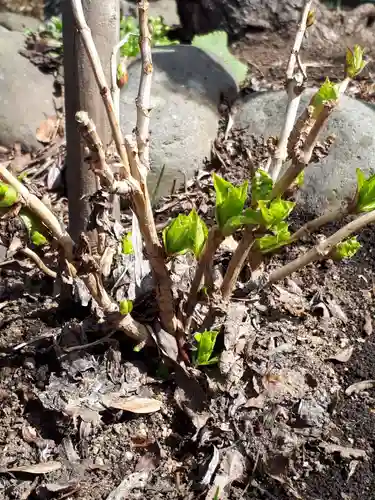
(81,93)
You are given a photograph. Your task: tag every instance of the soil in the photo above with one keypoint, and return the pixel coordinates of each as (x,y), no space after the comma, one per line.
(281,417)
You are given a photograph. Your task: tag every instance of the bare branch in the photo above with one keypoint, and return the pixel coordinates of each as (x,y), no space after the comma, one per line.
(143,100)
(214,239)
(27,252)
(294,88)
(40,210)
(99,163)
(323,249)
(315,224)
(237,261)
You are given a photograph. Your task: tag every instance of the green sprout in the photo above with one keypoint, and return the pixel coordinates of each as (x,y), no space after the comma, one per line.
(202,355)
(126,307)
(37,232)
(261,186)
(230,199)
(311,18)
(8,195)
(127,244)
(328,92)
(346,249)
(365,192)
(158,29)
(185,233)
(354,61)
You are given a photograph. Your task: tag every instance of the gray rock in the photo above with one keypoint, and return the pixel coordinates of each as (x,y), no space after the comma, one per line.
(237,18)
(326,183)
(186,90)
(17,22)
(25,94)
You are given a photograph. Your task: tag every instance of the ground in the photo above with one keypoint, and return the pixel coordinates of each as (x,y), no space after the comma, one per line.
(284,423)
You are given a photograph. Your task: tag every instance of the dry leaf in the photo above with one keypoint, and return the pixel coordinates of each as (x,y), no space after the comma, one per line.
(367,327)
(336,310)
(47,129)
(134,404)
(342,356)
(360,386)
(344,451)
(42,468)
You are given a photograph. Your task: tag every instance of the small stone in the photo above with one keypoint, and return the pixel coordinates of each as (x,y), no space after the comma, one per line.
(128,455)
(99,461)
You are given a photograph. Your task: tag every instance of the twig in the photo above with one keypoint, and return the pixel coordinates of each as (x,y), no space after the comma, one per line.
(315,224)
(236,263)
(301,144)
(115,90)
(323,249)
(294,87)
(143,101)
(40,210)
(38,261)
(100,165)
(214,239)
(93,56)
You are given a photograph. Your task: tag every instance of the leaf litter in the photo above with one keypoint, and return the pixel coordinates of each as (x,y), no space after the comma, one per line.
(262,422)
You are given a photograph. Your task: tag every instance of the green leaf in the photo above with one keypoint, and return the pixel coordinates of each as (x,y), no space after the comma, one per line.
(279,238)
(127,244)
(126,307)
(275,211)
(205,346)
(230,199)
(328,92)
(347,248)
(355,61)
(159,34)
(38,239)
(216,45)
(38,234)
(8,195)
(361,179)
(300,179)
(248,217)
(261,185)
(366,194)
(185,233)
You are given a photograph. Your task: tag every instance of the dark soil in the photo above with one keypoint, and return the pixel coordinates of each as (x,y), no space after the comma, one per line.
(283,409)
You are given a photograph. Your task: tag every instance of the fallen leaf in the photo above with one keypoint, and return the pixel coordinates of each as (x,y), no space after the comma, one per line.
(211,467)
(360,386)
(344,451)
(137,480)
(367,327)
(133,404)
(257,402)
(342,356)
(336,310)
(47,129)
(42,468)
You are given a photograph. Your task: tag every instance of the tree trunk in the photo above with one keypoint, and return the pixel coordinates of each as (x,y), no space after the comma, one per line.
(81,93)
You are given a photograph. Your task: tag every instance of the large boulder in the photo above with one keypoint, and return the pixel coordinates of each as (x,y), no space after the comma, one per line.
(186,91)
(18,22)
(26,94)
(328,182)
